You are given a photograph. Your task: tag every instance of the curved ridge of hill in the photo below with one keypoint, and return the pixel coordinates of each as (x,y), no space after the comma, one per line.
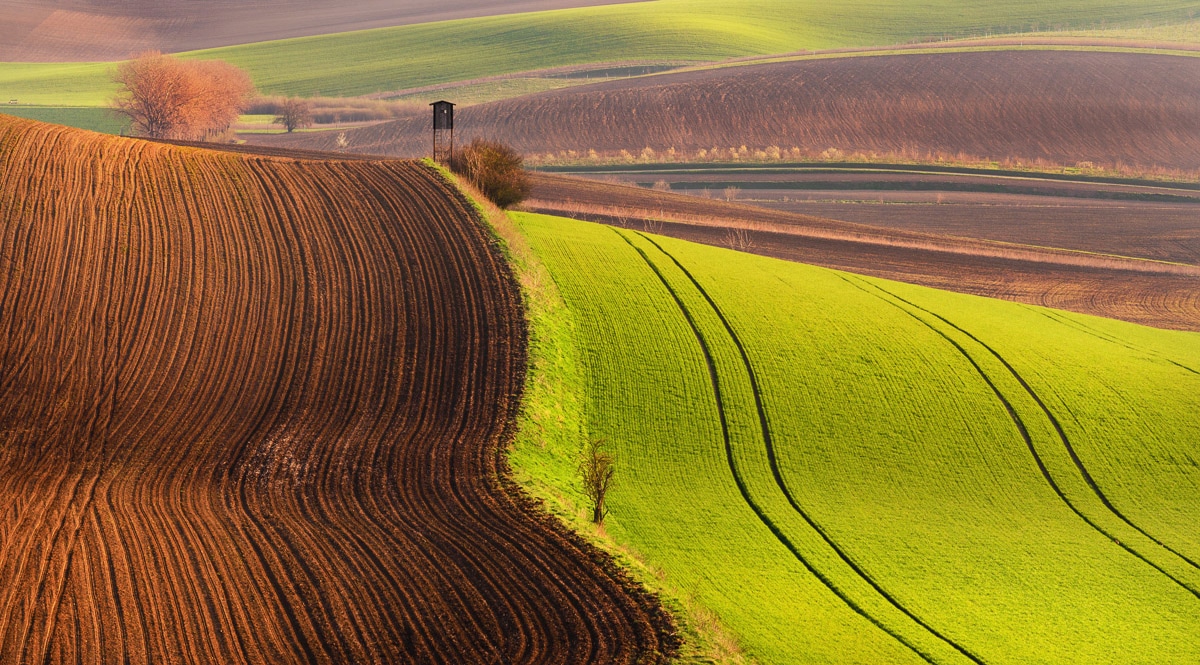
(1063,107)
(1106,277)
(79,30)
(252,410)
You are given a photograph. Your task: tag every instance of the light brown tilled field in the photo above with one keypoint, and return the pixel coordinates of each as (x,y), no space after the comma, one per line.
(252,410)
(1061,107)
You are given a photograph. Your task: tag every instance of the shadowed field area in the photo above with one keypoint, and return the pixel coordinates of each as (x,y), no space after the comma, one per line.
(252,410)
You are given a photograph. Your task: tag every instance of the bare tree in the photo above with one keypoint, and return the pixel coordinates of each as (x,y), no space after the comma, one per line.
(651,225)
(731,193)
(739,240)
(294,114)
(597,467)
(168,98)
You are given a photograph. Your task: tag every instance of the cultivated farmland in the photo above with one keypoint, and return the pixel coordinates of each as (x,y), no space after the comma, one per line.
(1142,273)
(252,410)
(884,472)
(1053,106)
(53,31)
(410,56)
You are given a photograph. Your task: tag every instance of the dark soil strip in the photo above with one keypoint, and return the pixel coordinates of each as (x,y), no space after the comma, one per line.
(927,186)
(857,167)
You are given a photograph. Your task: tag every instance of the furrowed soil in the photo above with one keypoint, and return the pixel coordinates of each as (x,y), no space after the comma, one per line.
(253,409)
(1157,220)
(1150,280)
(1111,109)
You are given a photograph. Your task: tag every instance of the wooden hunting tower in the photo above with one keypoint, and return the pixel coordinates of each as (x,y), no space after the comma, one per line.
(443,131)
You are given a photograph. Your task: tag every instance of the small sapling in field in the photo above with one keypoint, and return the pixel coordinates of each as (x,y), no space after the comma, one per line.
(597,467)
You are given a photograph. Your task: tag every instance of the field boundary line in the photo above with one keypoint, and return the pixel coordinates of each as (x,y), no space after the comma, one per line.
(861,168)
(1088,330)
(1016,418)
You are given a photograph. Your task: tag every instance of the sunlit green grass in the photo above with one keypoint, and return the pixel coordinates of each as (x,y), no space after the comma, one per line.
(96,119)
(892,415)
(386,59)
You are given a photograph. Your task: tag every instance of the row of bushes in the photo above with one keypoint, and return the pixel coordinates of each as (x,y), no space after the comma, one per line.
(332,110)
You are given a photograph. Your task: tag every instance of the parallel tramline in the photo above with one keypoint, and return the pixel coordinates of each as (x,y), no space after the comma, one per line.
(968,480)
(754,466)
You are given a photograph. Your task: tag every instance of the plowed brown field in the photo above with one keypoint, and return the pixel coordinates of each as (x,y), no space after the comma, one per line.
(252,410)
(1061,107)
(1148,292)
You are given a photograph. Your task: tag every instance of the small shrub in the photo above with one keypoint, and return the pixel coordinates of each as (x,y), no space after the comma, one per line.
(496,169)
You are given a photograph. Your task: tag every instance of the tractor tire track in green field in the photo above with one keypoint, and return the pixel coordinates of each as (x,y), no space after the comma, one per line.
(743,487)
(1088,330)
(1057,484)
(1087,476)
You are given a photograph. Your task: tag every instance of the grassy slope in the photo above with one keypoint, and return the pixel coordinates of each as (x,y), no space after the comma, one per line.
(394,58)
(896,447)
(86,117)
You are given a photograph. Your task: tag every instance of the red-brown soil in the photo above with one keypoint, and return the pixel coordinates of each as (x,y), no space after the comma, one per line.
(1060,107)
(1145,292)
(82,30)
(253,409)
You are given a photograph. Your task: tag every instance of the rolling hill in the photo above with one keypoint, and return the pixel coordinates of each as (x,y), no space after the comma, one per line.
(82,30)
(1140,267)
(390,59)
(851,470)
(1050,106)
(251,411)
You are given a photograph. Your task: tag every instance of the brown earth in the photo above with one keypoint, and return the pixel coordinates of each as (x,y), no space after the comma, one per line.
(1164,232)
(253,409)
(1144,219)
(83,30)
(1142,291)
(1061,107)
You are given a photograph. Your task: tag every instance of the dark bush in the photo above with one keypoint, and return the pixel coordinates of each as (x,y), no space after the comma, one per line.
(495,169)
